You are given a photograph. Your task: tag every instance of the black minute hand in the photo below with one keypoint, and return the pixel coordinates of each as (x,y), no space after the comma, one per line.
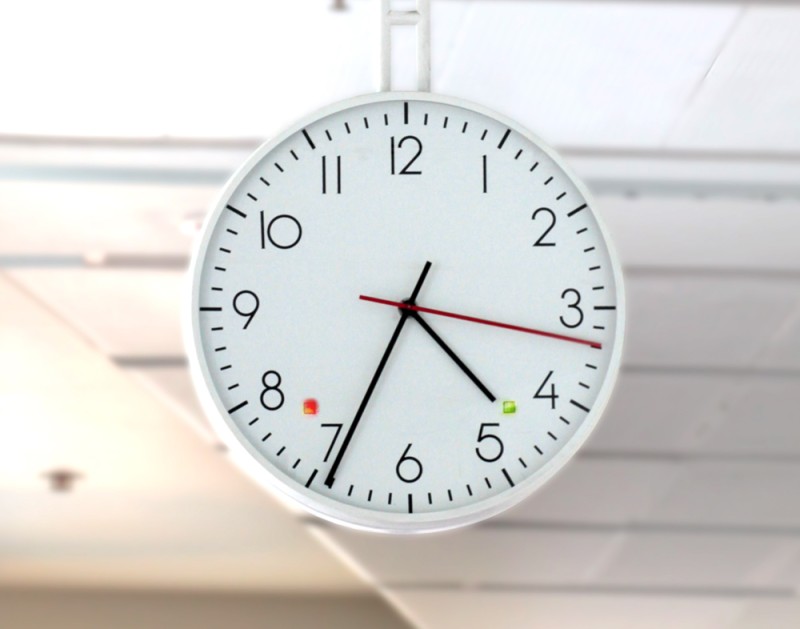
(404,314)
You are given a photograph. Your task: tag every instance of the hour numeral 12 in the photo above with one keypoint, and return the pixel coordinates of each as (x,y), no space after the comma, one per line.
(338,168)
(411,143)
(484,175)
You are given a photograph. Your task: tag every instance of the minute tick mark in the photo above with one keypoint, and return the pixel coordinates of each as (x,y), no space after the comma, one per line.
(311,478)
(238,407)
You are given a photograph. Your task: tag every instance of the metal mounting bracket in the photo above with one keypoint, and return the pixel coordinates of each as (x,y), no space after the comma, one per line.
(419,17)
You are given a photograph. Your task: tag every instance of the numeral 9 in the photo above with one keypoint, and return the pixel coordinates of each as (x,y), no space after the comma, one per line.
(246,303)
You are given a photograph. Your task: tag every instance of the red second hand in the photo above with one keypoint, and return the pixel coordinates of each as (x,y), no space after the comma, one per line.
(453,315)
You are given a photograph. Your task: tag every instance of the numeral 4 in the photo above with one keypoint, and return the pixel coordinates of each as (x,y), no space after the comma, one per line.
(540,395)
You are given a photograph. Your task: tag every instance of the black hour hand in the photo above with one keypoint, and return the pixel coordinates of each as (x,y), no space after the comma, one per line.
(440,342)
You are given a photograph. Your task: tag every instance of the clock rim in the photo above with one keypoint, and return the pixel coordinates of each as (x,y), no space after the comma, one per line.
(268,475)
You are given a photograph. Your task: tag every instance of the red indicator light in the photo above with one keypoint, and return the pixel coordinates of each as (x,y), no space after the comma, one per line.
(310,407)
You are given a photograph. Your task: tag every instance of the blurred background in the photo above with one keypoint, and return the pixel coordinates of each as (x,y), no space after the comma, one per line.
(119,123)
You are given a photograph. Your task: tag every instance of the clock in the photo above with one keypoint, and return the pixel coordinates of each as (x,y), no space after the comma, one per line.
(406,314)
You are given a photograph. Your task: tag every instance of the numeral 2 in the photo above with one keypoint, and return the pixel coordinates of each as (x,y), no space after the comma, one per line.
(552,217)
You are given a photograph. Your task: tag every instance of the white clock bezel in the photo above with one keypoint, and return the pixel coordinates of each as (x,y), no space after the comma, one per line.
(268,475)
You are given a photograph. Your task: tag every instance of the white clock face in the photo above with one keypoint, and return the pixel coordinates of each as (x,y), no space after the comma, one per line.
(406,312)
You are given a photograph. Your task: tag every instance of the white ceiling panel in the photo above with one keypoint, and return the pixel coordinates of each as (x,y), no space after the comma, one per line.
(588,74)
(661,412)
(568,610)
(45,219)
(757,418)
(749,99)
(686,560)
(589,491)
(715,233)
(701,320)
(123,312)
(477,555)
(246,70)
(173,386)
(611,73)
(750,493)
(768,615)
(783,349)
(674,411)
(788,569)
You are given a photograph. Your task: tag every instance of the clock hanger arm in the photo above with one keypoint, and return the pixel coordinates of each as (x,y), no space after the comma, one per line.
(497,324)
(420,19)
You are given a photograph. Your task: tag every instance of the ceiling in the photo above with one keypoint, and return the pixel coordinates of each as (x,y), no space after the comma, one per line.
(683,510)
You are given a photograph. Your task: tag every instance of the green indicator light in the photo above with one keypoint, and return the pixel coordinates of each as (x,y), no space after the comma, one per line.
(509,407)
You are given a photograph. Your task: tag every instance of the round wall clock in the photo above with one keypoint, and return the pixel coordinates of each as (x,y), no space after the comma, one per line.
(405,312)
